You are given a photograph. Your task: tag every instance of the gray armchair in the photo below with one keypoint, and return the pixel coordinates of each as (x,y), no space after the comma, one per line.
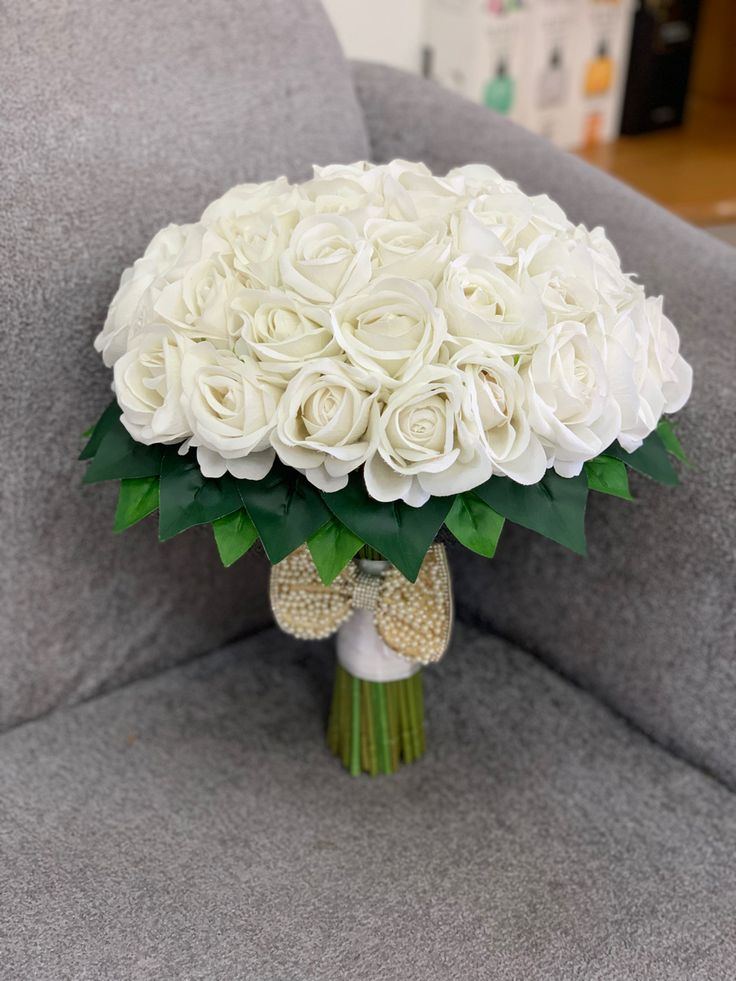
(167,806)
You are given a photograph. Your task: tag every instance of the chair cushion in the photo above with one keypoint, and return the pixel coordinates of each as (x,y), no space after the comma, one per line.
(116,119)
(194,826)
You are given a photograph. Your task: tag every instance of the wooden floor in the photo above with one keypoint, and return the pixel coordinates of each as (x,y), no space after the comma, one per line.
(690,170)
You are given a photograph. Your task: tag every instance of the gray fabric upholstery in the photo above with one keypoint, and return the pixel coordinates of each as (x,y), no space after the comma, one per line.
(193,826)
(117,118)
(649,620)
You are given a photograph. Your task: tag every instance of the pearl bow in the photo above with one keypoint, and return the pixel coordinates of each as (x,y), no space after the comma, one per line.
(414,619)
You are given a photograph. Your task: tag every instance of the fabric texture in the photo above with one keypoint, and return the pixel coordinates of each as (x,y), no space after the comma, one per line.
(116,119)
(648,620)
(195,826)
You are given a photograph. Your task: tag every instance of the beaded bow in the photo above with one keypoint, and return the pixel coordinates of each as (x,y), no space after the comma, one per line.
(414,619)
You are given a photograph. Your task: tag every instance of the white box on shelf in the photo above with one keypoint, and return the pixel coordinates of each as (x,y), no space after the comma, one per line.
(387,31)
(554,106)
(605,40)
(477,49)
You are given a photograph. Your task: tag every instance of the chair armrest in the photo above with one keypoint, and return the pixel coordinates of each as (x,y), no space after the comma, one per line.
(648,621)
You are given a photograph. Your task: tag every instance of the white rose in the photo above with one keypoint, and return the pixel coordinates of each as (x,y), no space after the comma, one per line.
(129,306)
(495,399)
(472,237)
(392,329)
(516,219)
(283,332)
(424,445)
(199,304)
(323,423)
(339,189)
(607,264)
(112,340)
(548,218)
(231,407)
(326,259)
(411,191)
(253,243)
(571,408)
(625,350)
(579,280)
(410,249)
(506,213)
(480,178)
(647,374)
(277,196)
(563,273)
(147,384)
(485,305)
(617,287)
(666,365)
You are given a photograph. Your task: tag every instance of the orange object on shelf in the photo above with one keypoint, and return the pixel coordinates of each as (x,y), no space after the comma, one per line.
(592,130)
(599,74)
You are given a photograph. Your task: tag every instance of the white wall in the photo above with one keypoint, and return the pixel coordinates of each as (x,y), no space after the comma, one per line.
(389,31)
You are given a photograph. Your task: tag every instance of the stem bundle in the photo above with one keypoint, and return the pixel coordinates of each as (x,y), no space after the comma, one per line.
(374,726)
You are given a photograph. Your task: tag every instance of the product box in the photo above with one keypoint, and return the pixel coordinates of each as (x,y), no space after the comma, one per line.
(478,48)
(605,42)
(387,31)
(553,108)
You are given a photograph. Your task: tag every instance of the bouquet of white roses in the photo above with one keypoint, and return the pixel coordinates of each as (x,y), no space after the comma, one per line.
(343,366)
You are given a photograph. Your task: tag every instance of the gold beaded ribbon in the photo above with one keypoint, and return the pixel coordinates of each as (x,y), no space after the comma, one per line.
(413,618)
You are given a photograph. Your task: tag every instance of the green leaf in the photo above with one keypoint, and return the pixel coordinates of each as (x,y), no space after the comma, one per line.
(401,534)
(188,498)
(285,508)
(608,476)
(137,499)
(554,507)
(119,457)
(671,443)
(332,547)
(234,535)
(651,459)
(475,524)
(109,417)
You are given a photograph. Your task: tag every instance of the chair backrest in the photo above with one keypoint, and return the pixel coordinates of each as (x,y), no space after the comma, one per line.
(116,118)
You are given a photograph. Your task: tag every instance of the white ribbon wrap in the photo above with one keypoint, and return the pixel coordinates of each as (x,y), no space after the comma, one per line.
(360,649)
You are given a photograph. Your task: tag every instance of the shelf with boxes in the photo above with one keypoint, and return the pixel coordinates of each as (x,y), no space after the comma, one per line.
(557,67)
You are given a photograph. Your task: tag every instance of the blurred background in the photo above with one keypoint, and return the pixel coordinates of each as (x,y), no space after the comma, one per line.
(645,89)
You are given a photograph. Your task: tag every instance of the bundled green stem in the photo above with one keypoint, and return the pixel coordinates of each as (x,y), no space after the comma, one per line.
(375,726)
(366,552)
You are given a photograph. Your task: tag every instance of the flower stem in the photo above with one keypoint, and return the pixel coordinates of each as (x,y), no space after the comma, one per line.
(355,727)
(375,726)
(366,552)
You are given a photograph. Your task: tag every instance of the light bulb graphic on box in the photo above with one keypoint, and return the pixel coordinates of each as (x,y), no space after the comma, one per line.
(499,91)
(553,80)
